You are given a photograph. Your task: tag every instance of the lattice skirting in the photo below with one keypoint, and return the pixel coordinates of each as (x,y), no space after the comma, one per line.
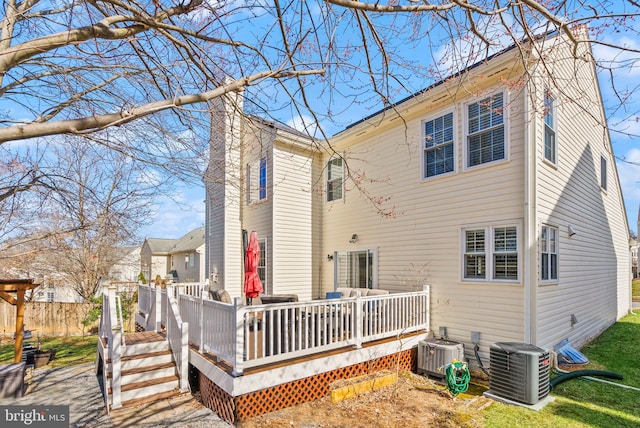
(243,407)
(139,328)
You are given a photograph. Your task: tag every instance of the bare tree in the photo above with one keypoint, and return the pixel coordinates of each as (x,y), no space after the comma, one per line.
(137,76)
(97,200)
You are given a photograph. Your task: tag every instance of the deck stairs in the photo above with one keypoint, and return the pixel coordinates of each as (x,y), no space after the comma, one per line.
(148,370)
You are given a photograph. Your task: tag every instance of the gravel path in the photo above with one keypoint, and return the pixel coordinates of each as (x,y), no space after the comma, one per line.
(78,387)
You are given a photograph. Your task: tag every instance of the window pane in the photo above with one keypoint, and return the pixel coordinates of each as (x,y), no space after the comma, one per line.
(554,266)
(505,239)
(474,241)
(474,266)
(603,173)
(263,178)
(506,266)
(334,179)
(544,266)
(486,141)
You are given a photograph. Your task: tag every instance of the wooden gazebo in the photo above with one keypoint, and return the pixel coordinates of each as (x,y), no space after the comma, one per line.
(18,286)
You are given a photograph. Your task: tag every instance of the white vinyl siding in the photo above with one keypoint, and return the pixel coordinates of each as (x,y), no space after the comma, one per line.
(438,146)
(491,254)
(593,263)
(486,140)
(335,179)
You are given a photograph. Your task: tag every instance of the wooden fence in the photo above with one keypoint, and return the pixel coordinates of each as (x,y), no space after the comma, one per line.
(48,319)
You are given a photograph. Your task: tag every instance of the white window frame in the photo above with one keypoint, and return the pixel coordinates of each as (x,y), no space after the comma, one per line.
(505,128)
(257,191)
(51,296)
(603,173)
(546,251)
(371,257)
(330,180)
(490,253)
(192,260)
(440,146)
(550,126)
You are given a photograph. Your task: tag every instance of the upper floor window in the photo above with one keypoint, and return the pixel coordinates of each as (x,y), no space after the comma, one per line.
(550,149)
(438,146)
(257,181)
(603,173)
(335,175)
(485,132)
(548,253)
(491,253)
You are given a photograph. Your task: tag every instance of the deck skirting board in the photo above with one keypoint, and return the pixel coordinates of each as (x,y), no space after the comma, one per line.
(248,396)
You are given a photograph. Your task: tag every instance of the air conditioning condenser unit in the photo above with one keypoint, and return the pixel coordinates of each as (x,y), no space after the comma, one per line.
(519,372)
(434,355)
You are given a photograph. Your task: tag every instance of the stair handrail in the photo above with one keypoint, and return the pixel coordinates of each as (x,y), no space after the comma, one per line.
(178,336)
(115,343)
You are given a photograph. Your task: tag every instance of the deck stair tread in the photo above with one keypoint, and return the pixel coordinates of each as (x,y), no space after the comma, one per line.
(140,356)
(145,383)
(150,398)
(144,369)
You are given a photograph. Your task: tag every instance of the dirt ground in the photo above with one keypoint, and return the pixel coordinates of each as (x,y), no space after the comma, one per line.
(413,401)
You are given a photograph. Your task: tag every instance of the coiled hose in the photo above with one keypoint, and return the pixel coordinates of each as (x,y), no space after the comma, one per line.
(457,376)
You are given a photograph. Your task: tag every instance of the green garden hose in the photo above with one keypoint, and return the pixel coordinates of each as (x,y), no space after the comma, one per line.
(457,375)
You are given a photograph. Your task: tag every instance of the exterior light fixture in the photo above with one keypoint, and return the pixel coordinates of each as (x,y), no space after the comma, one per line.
(354,238)
(329,257)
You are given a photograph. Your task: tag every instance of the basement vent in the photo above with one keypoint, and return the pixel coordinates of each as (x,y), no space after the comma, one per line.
(519,372)
(434,355)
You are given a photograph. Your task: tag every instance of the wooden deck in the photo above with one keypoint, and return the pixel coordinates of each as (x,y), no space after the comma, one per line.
(143,337)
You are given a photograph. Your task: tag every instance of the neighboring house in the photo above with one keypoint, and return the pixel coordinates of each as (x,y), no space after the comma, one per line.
(181,260)
(127,268)
(49,291)
(497,186)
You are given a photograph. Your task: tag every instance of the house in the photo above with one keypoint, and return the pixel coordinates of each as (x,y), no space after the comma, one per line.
(496,186)
(181,259)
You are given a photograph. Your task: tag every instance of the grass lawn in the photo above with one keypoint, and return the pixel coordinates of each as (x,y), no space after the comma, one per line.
(584,403)
(635,287)
(69,350)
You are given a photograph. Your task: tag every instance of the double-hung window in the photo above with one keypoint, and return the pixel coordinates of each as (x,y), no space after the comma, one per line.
(257,181)
(549,253)
(335,174)
(491,254)
(550,149)
(438,146)
(486,140)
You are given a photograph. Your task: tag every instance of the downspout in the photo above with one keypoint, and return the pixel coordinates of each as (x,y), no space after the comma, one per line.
(530,236)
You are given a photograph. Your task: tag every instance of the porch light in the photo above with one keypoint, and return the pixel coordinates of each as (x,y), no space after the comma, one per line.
(329,257)
(354,238)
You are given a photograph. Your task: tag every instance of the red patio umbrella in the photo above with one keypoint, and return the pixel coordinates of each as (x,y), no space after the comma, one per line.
(252,283)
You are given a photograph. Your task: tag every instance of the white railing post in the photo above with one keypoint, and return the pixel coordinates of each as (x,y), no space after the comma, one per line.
(180,289)
(201,321)
(115,351)
(157,302)
(184,359)
(238,348)
(358,321)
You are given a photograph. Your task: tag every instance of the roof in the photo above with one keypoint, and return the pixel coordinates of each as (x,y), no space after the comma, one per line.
(159,246)
(277,126)
(189,242)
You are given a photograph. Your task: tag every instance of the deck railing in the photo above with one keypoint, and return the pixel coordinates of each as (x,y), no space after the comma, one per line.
(249,336)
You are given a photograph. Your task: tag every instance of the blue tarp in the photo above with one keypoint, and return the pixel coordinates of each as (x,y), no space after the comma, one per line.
(567,354)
